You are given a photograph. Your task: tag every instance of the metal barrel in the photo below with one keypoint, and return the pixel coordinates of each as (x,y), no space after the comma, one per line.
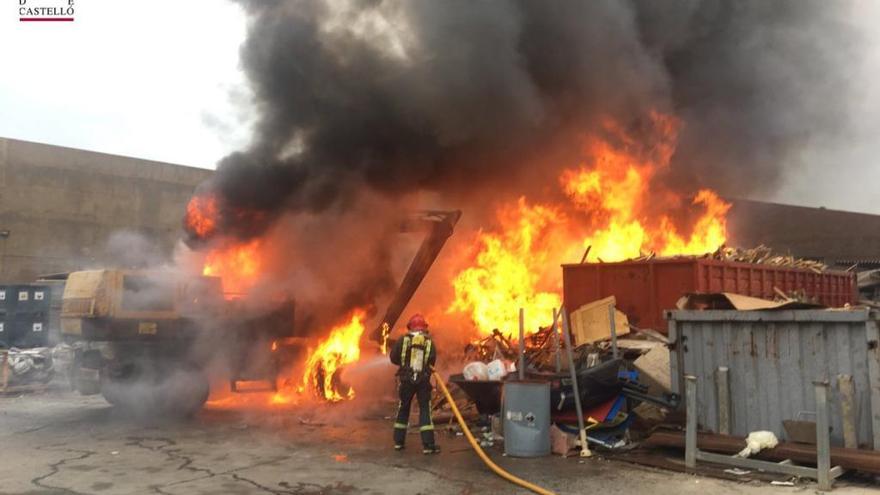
(526,413)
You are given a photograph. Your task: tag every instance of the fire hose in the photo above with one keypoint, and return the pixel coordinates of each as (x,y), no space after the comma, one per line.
(494,467)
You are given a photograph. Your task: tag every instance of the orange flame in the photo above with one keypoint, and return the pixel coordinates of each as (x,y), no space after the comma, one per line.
(281,398)
(505,274)
(615,191)
(341,347)
(201,215)
(708,234)
(614,208)
(238,265)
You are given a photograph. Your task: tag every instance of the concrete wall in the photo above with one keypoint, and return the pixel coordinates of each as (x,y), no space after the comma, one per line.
(60,206)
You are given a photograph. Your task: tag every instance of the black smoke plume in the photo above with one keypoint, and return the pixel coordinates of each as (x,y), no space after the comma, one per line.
(459,96)
(477,99)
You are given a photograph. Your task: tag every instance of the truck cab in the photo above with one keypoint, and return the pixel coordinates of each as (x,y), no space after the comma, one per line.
(111,305)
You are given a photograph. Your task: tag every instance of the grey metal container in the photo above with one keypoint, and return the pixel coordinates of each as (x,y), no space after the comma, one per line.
(526,413)
(770,360)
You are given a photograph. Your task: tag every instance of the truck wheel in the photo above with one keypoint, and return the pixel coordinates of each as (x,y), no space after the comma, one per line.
(124,388)
(111,390)
(85,374)
(184,391)
(178,393)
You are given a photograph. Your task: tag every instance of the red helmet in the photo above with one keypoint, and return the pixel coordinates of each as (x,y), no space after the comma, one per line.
(417,322)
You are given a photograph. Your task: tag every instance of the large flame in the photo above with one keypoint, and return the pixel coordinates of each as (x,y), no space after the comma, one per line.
(615,209)
(614,203)
(507,270)
(201,215)
(626,209)
(341,347)
(708,233)
(237,264)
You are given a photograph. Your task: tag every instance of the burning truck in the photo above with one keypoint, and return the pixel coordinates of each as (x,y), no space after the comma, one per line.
(140,337)
(148,340)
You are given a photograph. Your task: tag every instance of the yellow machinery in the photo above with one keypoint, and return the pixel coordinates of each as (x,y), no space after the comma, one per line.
(144,338)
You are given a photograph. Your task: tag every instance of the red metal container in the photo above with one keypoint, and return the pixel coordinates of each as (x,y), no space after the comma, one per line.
(644,289)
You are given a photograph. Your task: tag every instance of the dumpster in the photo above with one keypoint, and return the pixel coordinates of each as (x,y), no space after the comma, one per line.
(644,289)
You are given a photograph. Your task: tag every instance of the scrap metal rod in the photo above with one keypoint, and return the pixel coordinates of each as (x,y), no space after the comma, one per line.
(611,323)
(585,449)
(522,345)
(556,342)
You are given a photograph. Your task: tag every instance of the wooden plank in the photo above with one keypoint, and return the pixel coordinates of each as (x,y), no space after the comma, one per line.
(592,322)
(722,382)
(848,410)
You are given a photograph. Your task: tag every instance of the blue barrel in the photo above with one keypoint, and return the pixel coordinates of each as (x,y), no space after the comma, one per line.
(526,413)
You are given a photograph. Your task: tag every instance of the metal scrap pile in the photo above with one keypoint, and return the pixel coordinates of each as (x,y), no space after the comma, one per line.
(25,366)
(500,346)
(617,385)
(869,285)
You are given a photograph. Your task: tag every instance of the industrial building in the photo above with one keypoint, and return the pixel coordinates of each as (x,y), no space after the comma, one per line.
(837,238)
(59,206)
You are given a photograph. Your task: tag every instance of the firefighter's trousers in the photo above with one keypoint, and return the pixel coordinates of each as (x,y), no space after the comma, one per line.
(422,391)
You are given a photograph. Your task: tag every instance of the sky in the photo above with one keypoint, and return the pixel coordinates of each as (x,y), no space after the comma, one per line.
(161,80)
(844,174)
(157,80)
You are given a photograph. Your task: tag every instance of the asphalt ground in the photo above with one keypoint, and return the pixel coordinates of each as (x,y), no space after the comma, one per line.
(59,442)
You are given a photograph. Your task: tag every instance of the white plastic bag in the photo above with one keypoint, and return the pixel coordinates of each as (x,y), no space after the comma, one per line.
(758,441)
(476,371)
(497,370)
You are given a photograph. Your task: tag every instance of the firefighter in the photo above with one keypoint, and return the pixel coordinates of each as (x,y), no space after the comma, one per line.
(415,354)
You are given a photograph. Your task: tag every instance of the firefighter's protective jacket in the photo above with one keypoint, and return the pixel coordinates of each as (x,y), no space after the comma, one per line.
(416,354)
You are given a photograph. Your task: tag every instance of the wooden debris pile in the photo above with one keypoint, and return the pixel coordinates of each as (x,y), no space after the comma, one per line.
(763,255)
(760,255)
(495,346)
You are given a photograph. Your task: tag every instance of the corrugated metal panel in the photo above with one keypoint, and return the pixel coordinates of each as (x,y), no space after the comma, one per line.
(773,358)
